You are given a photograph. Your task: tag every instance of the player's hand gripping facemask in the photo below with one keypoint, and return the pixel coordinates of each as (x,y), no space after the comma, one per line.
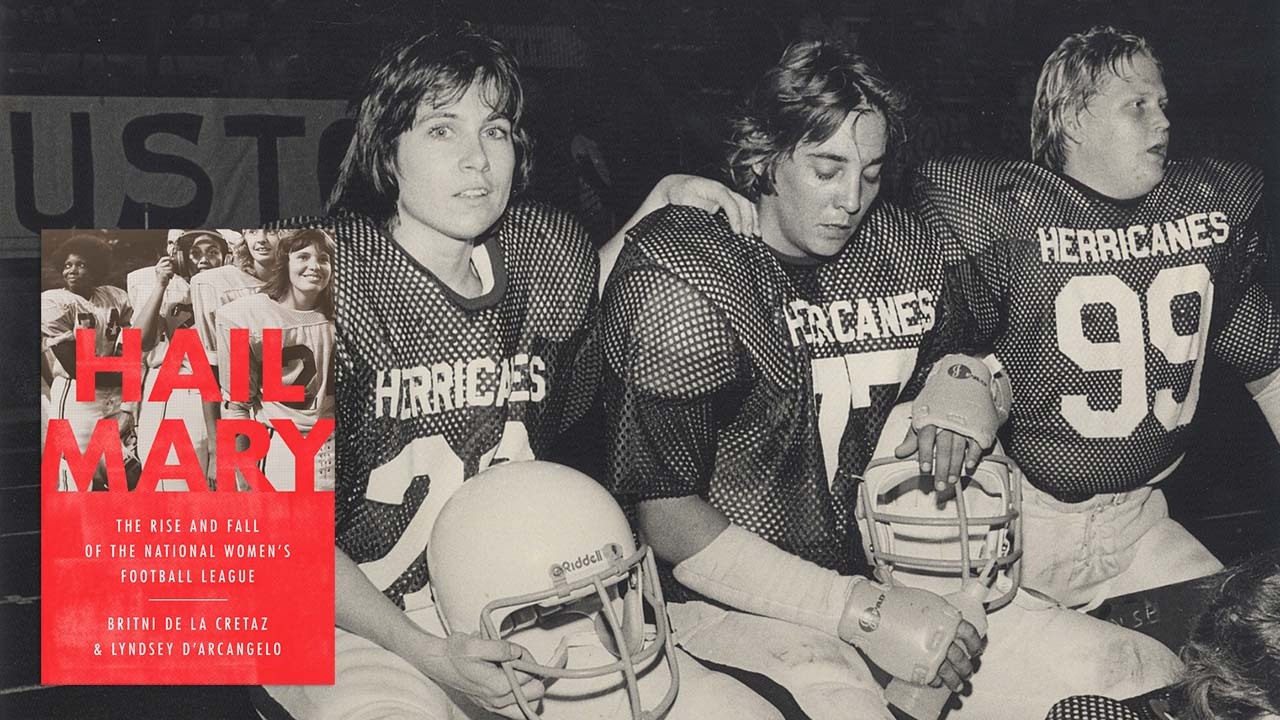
(963,543)
(522,550)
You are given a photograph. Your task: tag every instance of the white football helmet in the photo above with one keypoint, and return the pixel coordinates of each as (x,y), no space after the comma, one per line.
(524,546)
(944,542)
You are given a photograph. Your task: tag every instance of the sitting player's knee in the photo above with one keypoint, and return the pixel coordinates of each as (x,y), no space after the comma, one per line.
(859,702)
(822,663)
(1136,664)
(722,696)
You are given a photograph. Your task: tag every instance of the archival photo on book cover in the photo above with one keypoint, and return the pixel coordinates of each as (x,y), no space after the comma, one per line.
(187,464)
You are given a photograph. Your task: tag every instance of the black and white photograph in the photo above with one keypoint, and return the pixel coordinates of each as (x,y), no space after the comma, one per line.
(695,359)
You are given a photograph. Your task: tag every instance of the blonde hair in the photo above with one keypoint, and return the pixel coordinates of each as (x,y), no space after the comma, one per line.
(1070,78)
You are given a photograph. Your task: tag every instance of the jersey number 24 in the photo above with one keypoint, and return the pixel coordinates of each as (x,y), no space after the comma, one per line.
(433,456)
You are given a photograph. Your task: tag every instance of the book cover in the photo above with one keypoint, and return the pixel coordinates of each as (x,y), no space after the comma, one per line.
(187,465)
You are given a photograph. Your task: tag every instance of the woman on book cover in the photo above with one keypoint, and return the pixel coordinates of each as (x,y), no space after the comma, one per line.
(84,302)
(162,295)
(297,300)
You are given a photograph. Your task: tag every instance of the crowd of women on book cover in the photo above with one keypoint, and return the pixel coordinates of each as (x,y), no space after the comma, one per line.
(169,354)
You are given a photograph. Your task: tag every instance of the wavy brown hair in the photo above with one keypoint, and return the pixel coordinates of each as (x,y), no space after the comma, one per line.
(1233,654)
(803,99)
(278,284)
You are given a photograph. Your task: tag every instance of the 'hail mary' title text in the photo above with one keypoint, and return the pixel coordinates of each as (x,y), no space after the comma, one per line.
(172,437)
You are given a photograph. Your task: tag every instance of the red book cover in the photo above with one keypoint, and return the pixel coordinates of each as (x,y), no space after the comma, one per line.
(187,465)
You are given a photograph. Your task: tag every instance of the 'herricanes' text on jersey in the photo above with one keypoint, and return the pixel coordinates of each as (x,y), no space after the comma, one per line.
(1104,311)
(760,385)
(433,387)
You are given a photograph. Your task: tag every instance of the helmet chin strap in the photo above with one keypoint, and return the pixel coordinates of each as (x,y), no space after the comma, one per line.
(560,658)
(632,622)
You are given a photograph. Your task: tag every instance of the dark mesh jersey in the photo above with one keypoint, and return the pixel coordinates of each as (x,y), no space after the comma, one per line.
(1162,704)
(759,388)
(1103,311)
(433,387)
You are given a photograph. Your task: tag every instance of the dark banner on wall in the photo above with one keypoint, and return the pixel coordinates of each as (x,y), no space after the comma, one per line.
(156,162)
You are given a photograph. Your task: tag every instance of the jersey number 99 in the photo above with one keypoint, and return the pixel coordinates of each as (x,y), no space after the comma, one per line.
(1128,353)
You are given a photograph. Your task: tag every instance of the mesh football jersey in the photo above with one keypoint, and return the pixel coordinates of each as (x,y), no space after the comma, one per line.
(1102,311)
(306,353)
(62,312)
(760,387)
(1162,704)
(211,290)
(175,309)
(433,387)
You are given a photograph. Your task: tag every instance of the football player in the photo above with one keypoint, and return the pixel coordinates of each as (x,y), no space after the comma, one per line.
(84,261)
(1104,276)
(458,318)
(746,377)
(748,381)
(297,300)
(247,270)
(162,296)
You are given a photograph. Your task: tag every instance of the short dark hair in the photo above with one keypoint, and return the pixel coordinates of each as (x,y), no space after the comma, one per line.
(435,68)
(95,252)
(1070,78)
(804,98)
(1233,655)
(277,286)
